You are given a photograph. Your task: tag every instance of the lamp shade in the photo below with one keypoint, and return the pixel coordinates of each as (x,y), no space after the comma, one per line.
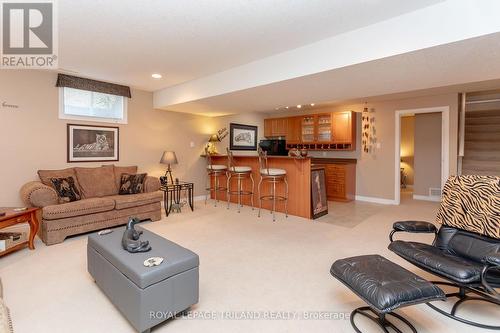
(168,157)
(214,138)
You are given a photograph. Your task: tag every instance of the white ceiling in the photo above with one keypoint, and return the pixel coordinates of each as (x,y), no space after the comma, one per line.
(125,41)
(455,67)
(450,43)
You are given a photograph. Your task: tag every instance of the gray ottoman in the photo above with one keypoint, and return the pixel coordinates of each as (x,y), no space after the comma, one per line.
(146,296)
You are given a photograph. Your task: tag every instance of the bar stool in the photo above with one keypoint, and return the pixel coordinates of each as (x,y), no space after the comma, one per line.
(240,173)
(273,176)
(215,171)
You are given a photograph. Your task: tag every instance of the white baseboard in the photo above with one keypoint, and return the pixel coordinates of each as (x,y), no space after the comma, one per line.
(376,200)
(199,198)
(427,198)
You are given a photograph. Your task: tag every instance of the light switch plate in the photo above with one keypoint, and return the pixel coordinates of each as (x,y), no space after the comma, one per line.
(378,145)
(191,144)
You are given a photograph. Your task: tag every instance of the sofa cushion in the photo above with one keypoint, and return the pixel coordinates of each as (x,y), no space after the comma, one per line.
(132,184)
(66,189)
(135,200)
(453,267)
(119,170)
(471,203)
(46,176)
(78,208)
(96,182)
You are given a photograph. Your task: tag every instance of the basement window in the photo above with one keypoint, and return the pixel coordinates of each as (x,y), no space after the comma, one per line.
(87,105)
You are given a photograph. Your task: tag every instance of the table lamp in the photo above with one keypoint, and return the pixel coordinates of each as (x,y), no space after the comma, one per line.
(169,158)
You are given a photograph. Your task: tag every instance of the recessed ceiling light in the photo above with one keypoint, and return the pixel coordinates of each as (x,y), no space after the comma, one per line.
(156,76)
(312,104)
(299,106)
(286,107)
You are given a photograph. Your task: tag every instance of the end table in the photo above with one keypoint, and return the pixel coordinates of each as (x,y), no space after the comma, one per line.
(172,194)
(16,217)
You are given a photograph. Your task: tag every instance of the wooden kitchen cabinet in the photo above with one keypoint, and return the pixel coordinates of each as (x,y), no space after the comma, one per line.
(340,177)
(268,128)
(321,131)
(344,130)
(293,131)
(275,127)
(323,128)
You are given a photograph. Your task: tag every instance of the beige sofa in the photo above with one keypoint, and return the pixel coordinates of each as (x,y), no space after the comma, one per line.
(100,207)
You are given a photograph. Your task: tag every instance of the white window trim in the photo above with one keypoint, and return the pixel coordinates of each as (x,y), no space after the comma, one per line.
(62,115)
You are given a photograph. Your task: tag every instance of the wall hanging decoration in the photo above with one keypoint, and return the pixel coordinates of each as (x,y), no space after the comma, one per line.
(369,134)
(88,143)
(319,204)
(242,137)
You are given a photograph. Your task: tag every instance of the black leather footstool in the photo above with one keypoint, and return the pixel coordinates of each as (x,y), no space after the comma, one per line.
(384,286)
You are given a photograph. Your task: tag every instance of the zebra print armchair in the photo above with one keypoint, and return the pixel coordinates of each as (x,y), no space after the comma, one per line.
(466,248)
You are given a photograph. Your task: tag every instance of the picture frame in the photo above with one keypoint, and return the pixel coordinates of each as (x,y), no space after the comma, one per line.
(319,200)
(242,137)
(88,143)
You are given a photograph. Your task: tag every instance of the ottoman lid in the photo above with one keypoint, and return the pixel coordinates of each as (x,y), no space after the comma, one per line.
(176,258)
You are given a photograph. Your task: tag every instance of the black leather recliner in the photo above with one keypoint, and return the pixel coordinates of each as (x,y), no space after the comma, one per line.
(463,251)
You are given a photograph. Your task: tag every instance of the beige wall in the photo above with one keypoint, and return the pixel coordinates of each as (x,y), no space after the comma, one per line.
(375,173)
(33,137)
(407,147)
(255,119)
(427,152)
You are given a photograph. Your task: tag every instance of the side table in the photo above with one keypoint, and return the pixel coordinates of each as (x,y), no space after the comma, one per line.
(12,218)
(172,194)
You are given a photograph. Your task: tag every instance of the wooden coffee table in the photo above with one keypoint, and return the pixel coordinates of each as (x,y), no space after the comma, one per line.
(12,218)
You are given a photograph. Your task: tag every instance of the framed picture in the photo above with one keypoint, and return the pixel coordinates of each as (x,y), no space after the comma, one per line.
(242,137)
(88,143)
(319,202)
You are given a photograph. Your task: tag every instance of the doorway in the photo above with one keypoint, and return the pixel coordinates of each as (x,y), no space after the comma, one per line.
(422,153)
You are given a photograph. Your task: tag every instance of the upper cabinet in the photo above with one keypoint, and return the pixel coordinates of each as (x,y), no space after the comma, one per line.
(308,129)
(275,127)
(344,128)
(324,128)
(294,130)
(322,131)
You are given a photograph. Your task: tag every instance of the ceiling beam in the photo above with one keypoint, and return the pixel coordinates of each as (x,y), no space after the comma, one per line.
(443,23)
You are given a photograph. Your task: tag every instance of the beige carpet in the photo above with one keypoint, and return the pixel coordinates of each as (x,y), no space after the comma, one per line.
(249,266)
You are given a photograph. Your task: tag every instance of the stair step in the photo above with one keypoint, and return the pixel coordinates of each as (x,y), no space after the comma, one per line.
(482,155)
(482,120)
(474,128)
(486,166)
(480,114)
(479,173)
(483,136)
(478,145)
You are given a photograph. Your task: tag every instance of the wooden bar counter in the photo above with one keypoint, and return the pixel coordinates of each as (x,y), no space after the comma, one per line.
(298,172)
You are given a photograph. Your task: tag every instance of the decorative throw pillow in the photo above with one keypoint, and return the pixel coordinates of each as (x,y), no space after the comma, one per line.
(132,184)
(66,189)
